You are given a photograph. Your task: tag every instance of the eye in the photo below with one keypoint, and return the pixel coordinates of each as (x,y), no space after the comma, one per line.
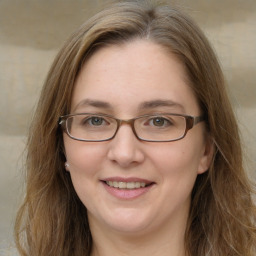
(95,120)
(160,122)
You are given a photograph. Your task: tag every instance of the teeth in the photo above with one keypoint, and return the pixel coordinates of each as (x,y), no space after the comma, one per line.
(126,185)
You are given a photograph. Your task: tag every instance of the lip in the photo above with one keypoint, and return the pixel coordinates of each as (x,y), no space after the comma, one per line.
(127,194)
(127,179)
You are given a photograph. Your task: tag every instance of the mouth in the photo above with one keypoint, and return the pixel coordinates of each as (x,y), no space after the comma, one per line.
(127,185)
(127,188)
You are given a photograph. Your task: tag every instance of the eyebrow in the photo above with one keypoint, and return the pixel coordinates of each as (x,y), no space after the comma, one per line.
(160,103)
(93,103)
(142,106)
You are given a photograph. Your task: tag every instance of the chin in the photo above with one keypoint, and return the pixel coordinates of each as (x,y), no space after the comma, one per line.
(129,227)
(126,222)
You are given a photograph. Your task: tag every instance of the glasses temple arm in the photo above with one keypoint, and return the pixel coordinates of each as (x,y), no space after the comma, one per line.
(198,119)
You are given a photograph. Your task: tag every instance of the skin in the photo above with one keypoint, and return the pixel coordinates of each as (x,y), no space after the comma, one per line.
(125,76)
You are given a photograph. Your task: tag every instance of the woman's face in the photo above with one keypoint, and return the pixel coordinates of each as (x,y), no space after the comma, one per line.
(127,81)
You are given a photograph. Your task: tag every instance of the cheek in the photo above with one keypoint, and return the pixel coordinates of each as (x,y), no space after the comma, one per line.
(85,162)
(84,158)
(179,159)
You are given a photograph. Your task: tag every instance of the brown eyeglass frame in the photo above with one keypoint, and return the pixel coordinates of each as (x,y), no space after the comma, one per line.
(191,121)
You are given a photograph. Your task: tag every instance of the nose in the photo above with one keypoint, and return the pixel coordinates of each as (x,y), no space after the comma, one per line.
(125,149)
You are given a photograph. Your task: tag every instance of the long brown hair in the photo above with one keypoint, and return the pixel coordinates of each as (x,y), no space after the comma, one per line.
(52,219)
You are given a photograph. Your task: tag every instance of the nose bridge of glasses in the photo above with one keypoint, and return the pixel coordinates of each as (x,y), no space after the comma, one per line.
(126,121)
(129,122)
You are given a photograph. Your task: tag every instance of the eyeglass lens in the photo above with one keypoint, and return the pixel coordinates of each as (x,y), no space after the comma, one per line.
(90,127)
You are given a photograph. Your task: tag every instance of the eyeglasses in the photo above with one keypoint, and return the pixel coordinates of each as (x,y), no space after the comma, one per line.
(154,128)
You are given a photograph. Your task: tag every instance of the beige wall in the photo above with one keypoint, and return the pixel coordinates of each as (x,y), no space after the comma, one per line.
(31,32)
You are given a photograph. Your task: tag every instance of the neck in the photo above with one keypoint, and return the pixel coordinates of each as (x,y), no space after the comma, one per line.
(164,241)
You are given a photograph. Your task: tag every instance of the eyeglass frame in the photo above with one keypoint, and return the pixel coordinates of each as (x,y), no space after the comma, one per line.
(191,121)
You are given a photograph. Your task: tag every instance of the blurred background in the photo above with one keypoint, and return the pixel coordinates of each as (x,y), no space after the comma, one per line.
(32,31)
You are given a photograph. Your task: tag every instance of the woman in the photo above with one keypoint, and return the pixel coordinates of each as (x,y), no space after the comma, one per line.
(130,151)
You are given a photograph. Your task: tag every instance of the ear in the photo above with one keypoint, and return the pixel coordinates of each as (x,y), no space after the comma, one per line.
(207,155)
(67,166)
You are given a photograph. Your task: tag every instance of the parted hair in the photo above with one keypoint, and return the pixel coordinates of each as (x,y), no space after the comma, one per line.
(53,221)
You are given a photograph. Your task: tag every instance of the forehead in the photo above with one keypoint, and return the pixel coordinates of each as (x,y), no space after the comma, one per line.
(124,76)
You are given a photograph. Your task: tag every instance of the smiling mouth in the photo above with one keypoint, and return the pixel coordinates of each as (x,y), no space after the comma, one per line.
(127,185)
